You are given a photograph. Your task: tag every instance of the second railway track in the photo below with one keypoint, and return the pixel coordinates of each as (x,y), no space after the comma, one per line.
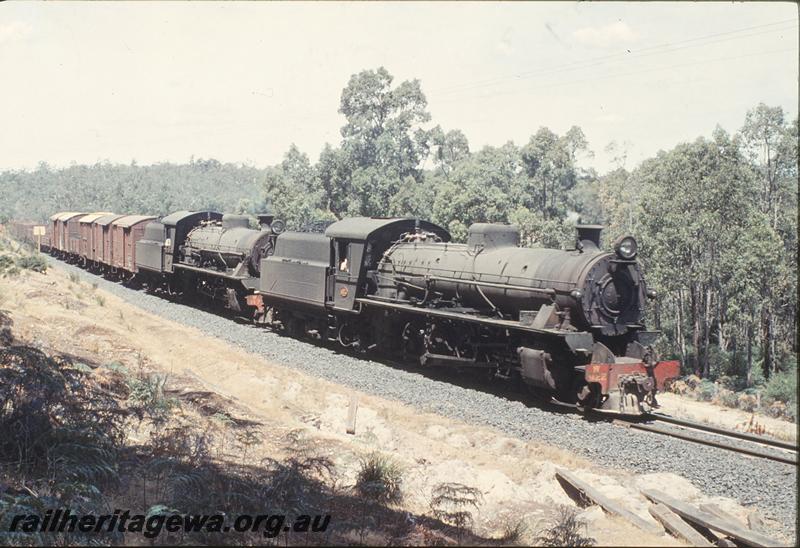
(714,436)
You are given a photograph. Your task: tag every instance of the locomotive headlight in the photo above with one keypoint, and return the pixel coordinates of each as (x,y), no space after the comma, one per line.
(278,226)
(626,248)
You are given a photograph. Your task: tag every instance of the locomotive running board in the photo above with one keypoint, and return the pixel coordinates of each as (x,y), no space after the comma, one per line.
(578,341)
(247,281)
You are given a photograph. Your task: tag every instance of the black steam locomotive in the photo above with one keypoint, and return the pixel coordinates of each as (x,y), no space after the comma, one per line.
(566,323)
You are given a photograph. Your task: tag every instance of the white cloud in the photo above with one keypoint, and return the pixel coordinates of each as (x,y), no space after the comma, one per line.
(606,35)
(609,118)
(505,46)
(14,30)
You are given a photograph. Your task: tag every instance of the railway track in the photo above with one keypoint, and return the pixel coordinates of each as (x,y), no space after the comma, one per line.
(713,436)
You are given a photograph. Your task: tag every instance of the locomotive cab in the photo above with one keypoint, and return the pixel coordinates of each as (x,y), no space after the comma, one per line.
(359,244)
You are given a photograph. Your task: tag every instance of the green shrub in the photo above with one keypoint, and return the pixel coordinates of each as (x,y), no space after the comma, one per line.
(782,387)
(379,479)
(6,262)
(225,419)
(791,412)
(117,366)
(757,372)
(746,402)
(692,381)
(789,362)
(728,398)
(730,383)
(146,397)
(565,530)
(60,433)
(37,263)
(452,503)
(777,409)
(718,362)
(706,390)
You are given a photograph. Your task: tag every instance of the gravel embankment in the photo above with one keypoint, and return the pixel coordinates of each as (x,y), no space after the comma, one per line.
(769,486)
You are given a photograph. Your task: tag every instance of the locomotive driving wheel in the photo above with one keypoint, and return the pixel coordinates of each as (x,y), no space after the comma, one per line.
(413,342)
(589,397)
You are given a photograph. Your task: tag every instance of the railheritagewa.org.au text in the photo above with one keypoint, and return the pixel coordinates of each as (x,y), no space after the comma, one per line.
(151,526)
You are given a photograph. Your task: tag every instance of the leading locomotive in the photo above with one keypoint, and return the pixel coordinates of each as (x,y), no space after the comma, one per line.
(566,323)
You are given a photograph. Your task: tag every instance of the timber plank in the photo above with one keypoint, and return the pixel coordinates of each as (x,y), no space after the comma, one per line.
(351,414)
(673,523)
(712,508)
(710,521)
(607,504)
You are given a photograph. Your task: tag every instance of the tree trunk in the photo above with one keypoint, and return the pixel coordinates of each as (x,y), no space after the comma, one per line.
(723,341)
(766,342)
(707,333)
(749,353)
(696,331)
(657,315)
(771,342)
(544,197)
(681,339)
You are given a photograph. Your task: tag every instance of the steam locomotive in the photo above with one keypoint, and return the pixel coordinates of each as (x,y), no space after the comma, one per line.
(565,323)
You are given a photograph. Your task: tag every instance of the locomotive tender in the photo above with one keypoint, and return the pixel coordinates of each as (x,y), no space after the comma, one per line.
(566,323)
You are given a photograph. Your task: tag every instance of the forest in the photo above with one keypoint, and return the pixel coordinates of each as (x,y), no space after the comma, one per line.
(716,218)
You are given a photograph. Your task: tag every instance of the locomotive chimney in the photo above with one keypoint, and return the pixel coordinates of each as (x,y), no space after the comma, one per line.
(265,220)
(589,234)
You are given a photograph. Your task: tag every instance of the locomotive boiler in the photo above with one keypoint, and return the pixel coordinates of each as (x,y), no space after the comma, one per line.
(592,289)
(229,245)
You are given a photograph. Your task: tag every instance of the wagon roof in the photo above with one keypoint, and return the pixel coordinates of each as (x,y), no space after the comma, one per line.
(65,215)
(129,220)
(106,220)
(361,228)
(91,217)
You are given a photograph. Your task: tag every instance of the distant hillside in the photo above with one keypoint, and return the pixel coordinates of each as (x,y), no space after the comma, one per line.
(156,189)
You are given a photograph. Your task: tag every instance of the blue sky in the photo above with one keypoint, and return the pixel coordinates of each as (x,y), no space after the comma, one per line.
(240,82)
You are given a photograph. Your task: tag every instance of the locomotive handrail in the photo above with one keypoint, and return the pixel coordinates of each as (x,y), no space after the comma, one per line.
(400,281)
(219,248)
(551,292)
(212,272)
(444,313)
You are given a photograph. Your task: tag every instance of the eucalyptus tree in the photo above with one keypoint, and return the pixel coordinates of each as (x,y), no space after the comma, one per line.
(770,143)
(696,213)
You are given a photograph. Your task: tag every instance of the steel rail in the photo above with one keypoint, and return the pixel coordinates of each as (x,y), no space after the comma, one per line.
(685,435)
(725,432)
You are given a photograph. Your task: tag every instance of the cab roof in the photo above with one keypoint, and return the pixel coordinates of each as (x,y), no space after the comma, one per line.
(363,228)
